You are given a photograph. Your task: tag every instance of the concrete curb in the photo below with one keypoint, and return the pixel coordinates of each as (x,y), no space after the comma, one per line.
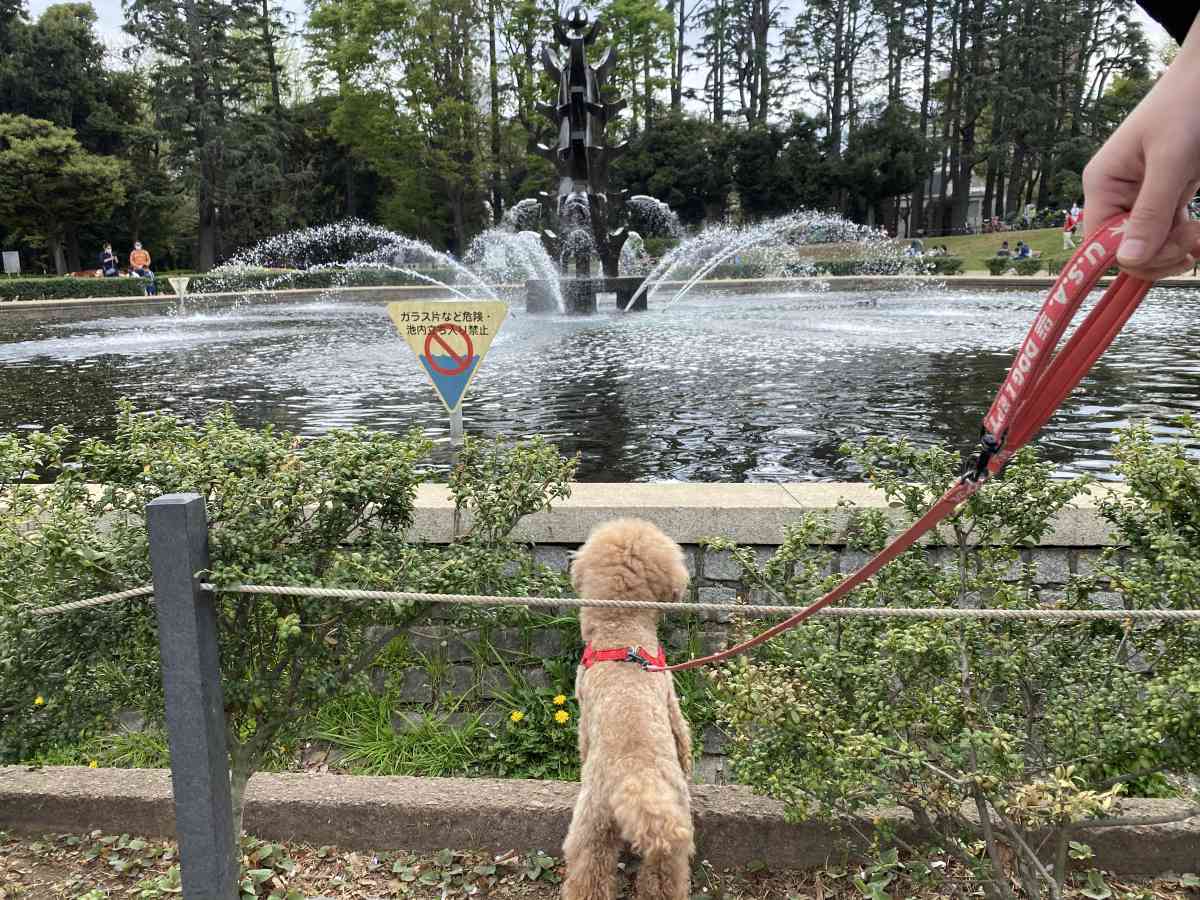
(968,282)
(746,513)
(734,827)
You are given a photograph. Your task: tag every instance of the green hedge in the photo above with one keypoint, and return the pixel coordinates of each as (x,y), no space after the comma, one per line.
(928,265)
(316,279)
(1055,264)
(1028,266)
(944,265)
(658,247)
(69,288)
(998,265)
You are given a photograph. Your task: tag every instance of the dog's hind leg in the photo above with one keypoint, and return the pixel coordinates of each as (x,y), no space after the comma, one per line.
(654,816)
(590,851)
(665,875)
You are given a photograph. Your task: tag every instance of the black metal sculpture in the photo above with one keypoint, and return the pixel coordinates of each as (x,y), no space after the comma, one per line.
(582,155)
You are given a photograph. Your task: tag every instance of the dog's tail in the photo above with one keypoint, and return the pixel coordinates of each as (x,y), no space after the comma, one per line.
(651,815)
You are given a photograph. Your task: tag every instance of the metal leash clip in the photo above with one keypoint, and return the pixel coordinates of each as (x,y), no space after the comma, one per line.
(989,446)
(632,655)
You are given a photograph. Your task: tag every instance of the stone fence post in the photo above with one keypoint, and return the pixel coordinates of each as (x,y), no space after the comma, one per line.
(191,673)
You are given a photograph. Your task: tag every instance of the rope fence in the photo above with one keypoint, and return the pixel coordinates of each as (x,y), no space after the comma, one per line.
(189,661)
(762,610)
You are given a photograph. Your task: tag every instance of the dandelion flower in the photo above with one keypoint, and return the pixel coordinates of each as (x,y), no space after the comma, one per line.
(39,700)
(516,715)
(562,716)
(560,700)
(93,765)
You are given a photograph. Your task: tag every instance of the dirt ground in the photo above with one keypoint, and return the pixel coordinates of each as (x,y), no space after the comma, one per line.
(96,866)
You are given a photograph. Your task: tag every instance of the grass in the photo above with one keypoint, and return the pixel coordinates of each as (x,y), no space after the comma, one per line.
(976,249)
(360,726)
(119,750)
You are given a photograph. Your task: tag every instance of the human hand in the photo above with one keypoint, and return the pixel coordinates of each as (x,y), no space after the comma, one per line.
(1150,168)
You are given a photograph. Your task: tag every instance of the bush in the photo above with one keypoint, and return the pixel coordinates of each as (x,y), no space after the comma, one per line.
(658,247)
(884,265)
(284,279)
(998,265)
(944,265)
(68,288)
(329,511)
(1035,728)
(1027,266)
(1054,264)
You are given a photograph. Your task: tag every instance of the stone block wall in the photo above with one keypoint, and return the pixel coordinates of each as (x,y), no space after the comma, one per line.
(462,670)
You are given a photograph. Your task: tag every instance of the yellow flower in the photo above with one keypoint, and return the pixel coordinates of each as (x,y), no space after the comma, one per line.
(562,716)
(516,715)
(560,700)
(39,700)
(93,765)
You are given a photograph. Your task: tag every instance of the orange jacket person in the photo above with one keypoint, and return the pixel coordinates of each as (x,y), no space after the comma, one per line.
(139,264)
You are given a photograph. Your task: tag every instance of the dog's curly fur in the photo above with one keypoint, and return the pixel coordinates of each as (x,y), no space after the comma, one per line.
(634,743)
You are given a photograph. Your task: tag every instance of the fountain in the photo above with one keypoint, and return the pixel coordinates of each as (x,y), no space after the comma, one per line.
(583,210)
(784,246)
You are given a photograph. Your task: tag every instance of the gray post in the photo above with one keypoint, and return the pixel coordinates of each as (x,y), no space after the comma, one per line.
(456,428)
(191,672)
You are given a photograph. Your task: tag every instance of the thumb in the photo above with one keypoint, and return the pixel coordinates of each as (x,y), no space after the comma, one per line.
(1153,215)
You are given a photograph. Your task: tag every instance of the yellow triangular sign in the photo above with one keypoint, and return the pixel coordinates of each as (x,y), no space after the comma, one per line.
(450,339)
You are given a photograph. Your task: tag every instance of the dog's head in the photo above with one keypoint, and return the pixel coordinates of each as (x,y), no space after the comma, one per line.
(628,559)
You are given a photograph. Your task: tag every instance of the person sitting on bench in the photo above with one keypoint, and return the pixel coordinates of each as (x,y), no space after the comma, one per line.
(139,264)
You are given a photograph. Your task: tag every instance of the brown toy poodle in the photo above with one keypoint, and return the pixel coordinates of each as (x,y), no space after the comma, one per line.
(634,743)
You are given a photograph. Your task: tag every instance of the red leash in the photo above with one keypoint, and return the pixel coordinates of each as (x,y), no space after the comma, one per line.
(1035,387)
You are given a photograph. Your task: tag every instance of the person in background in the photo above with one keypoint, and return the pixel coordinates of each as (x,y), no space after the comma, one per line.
(139,264)
(1004,251)
(109,266)
(1069,230)
(1023,251)
(1150,166)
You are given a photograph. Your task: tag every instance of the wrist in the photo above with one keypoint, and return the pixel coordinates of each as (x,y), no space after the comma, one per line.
(1188,58)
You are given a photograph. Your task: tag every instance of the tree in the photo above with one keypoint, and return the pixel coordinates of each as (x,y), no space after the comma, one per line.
(640,33)
(882,160)
(756,175)
(208,65)
(56,72)
(807,179)
(678,161)
(716,50)
(831,38)
(434,101)
(50,185)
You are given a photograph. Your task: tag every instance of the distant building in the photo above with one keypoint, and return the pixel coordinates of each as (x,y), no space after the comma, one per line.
(933,190)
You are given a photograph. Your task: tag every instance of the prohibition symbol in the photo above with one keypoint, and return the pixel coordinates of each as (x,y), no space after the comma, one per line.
(462,362)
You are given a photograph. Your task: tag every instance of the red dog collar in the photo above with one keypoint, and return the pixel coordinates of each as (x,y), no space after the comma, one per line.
(638,655)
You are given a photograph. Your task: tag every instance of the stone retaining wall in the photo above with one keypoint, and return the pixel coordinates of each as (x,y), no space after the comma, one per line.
(456,670)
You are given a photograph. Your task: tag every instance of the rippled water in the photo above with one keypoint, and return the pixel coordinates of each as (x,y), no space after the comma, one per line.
(737,388)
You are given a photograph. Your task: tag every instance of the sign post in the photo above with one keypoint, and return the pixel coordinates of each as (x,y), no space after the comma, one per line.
(180,284)
(12,262)
(450,339)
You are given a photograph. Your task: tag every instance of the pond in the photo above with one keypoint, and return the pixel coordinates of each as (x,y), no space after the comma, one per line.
(712,388)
